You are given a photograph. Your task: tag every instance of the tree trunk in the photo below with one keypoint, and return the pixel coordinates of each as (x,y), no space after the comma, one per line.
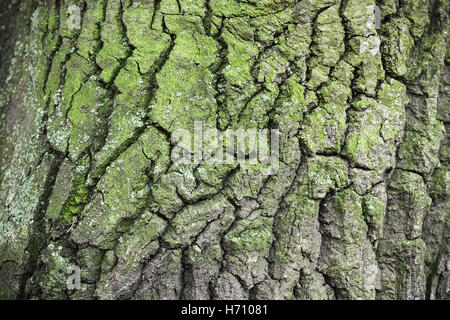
(92,92)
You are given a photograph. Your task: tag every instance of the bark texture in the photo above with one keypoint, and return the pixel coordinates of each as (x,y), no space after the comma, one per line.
(359,208)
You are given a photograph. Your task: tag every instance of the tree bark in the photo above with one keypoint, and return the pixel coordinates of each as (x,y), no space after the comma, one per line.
(93,90)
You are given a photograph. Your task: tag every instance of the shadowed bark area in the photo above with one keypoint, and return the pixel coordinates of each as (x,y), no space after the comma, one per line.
(91,92)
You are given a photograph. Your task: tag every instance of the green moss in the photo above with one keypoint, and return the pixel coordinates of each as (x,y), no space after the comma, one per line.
(323,129)
(347,257)
(349,204)
(334,92)
(420,150)
(250,236)
(328,38)
(61,191)
(193,219)
(397,45)
(324,174)
(318,76)
(88,43)
(89,260)
(76,200)
(86,107)
(374,209)
(418,15)
(343,73)
(115,47)
(248,8)
(439,186)
(53,279)
(393,98)
(138,70)
(185,82)
(359,17)
(364,146)
(296,230)
(122,193)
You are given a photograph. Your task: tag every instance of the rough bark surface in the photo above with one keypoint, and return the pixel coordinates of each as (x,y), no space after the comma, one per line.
(359,208)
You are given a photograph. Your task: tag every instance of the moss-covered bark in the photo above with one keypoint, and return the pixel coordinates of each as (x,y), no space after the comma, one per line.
(359,208)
